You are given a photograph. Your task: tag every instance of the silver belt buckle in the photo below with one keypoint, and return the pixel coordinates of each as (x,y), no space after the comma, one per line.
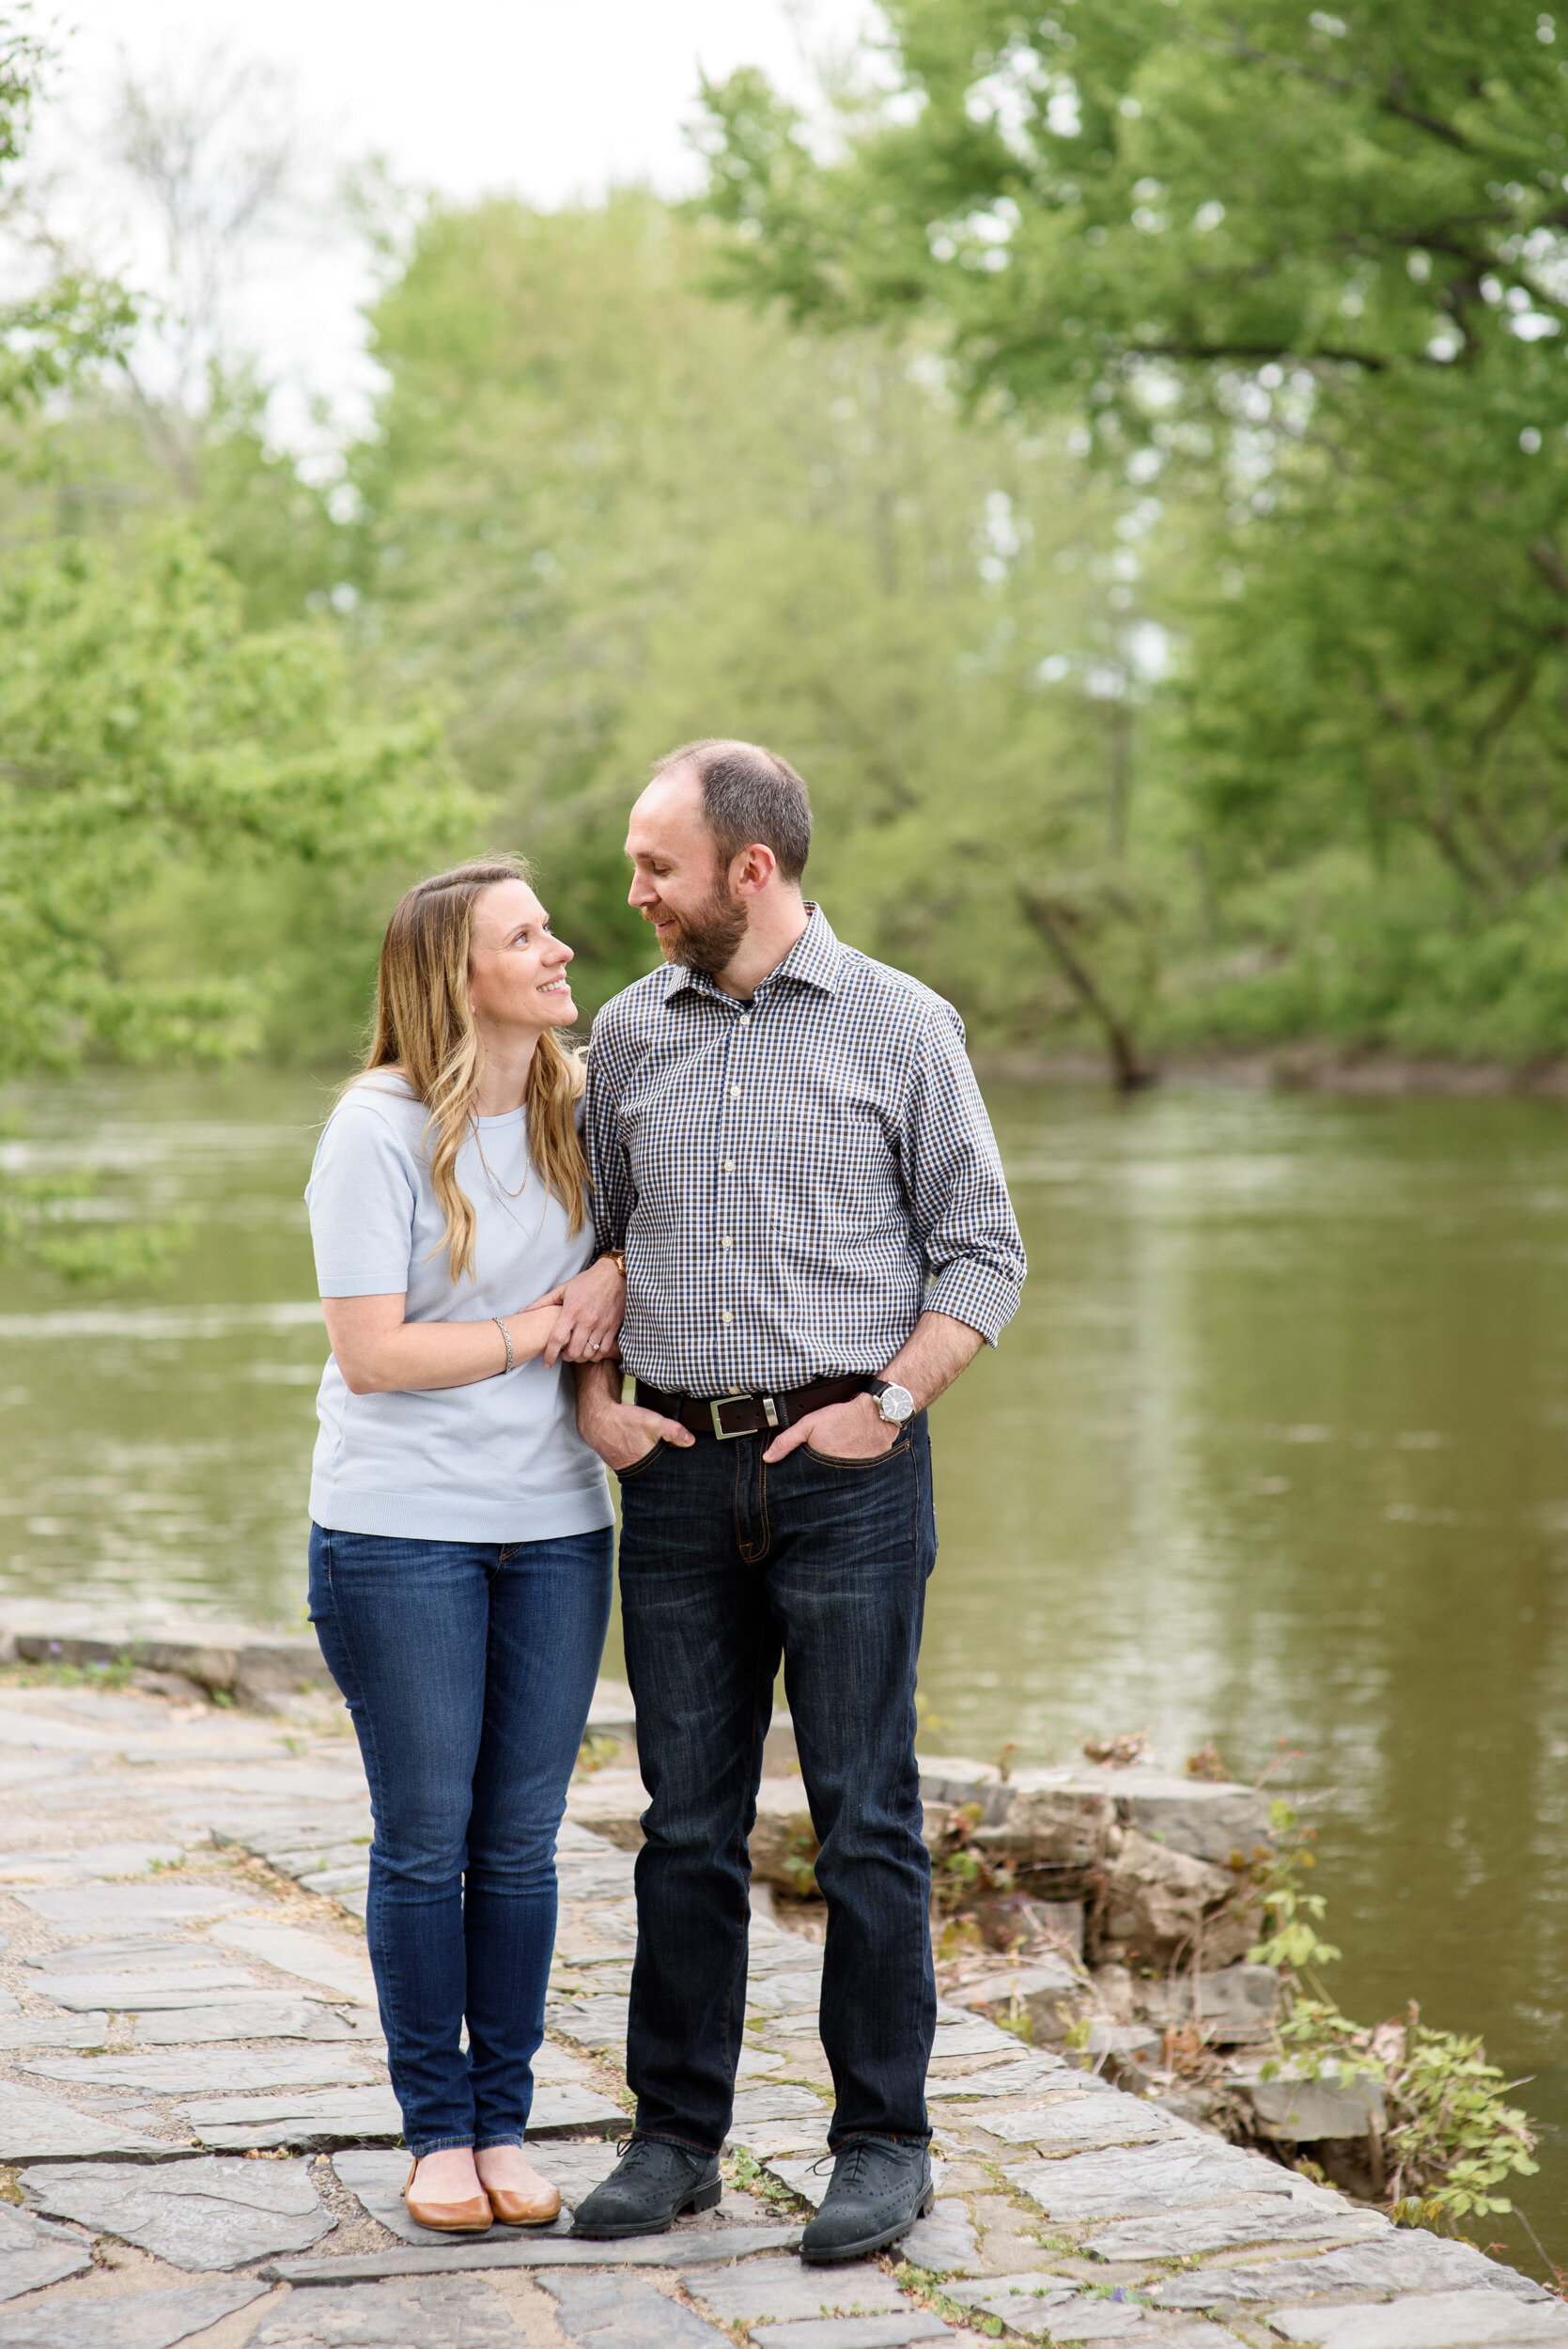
(739,1394)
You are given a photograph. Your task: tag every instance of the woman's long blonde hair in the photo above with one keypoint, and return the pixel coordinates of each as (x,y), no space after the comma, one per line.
(424,1027)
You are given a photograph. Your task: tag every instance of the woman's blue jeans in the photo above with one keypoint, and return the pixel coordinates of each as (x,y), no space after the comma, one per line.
(468,1668)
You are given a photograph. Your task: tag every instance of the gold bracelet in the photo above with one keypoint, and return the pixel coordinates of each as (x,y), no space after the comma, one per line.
(618,1257)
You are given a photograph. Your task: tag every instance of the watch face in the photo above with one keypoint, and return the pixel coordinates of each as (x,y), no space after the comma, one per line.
(896,1403)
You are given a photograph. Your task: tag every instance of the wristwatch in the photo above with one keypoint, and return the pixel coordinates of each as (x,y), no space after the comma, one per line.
(894,1404)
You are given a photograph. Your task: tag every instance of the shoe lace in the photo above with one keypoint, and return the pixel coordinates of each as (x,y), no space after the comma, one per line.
(846,2163)
(638,2151)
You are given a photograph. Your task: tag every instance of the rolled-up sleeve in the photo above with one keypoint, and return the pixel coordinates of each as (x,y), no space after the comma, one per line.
(614,1197)
(959,1209)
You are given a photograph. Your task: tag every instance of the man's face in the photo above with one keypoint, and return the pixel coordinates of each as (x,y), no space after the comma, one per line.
(678,883)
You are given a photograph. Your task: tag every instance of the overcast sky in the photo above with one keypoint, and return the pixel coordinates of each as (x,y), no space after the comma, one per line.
(550,98)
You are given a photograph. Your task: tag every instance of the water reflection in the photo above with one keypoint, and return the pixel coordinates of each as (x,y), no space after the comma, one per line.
(1273,1456)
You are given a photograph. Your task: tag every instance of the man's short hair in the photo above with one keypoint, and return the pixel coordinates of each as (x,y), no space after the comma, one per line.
(749,793)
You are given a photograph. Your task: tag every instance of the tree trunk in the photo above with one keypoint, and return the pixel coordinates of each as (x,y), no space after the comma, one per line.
(1128,1073)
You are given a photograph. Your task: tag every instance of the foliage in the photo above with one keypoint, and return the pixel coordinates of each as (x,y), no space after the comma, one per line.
(605,513)
(153,745)
(1310,270)
(1294,1913)
(145,729)
(1451,2138)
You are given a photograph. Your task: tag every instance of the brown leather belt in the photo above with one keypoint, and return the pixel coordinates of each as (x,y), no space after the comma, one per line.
(729,1415)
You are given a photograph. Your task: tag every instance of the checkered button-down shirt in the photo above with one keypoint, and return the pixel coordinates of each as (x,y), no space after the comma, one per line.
(794,1177)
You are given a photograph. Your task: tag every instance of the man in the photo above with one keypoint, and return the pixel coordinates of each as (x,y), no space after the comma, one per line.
(787,1141)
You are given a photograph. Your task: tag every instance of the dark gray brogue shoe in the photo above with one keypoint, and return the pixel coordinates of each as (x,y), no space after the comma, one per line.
(881,2186)
(653,2185)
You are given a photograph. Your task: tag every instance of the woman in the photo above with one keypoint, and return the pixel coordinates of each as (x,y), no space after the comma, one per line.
(461,1542)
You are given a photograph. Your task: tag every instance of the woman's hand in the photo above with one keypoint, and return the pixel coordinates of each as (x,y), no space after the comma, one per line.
(588,1315)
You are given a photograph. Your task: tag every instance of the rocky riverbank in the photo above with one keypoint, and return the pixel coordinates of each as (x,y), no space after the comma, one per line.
(199,2142)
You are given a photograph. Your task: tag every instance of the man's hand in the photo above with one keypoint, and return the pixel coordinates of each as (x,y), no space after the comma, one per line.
(621,1433)
(589,1316)
(854,1430)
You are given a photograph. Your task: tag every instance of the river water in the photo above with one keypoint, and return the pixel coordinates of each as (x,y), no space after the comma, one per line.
(1273,1456)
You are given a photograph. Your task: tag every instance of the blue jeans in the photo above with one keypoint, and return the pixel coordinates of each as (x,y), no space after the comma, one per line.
(469,1668)
(725,1565)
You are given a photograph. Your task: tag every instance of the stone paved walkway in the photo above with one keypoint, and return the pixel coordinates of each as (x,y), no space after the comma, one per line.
(201,2146)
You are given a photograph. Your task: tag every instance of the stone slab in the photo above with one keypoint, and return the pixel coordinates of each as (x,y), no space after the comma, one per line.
(141,2319)
(1404,2259)
(594,2022)
(974,2037)
(1304,2111)
(683,2247)
(53,2031)
(1077,2123)
(944,2241)
(777,1952)
(333,2116)
(1254,2219)
(859,2332)
(1207,1819)
(37,2127)
(19,1728)
(770,2139)
(1438,2320)
(258,2018)
(34,2253)
(784,1994)
(144,1992)
(88,1864)
(561,2068)
(124,1907)
(340,1966)
(1136,2180)
(781,2103)
(787,2288)
(626,2313)
(187,2072)
(420,2312)
(997,2294)
(1001,2080)
(127,1953)
(572,2111)
(203,2212)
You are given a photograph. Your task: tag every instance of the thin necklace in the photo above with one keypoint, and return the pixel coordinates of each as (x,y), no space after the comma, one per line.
(492,1177)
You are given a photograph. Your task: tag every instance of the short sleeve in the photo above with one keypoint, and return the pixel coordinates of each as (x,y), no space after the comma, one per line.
(363,1195)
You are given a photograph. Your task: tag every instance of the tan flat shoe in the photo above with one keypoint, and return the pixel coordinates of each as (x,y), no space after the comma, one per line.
(534,2209)
(472,2217)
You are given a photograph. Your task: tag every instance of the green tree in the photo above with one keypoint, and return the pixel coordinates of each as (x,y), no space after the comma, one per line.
(1312,265)
(604,512)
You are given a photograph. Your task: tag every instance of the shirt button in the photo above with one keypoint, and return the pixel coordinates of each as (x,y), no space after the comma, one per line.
(727,1243)
(728,1167)
(727,1316)
(734,1093)
(745,1018)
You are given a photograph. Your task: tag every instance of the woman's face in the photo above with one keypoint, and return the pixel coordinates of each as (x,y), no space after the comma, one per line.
(516,972)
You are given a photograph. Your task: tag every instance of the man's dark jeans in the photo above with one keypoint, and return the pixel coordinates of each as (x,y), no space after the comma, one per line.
(724,1564)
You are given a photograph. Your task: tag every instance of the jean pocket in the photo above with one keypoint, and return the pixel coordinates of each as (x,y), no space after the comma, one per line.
(660,1444)
(877,1460)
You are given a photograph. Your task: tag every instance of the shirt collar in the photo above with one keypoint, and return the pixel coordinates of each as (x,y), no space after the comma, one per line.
(812,961)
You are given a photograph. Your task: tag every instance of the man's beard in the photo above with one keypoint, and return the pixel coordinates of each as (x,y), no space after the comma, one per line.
(707,939)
